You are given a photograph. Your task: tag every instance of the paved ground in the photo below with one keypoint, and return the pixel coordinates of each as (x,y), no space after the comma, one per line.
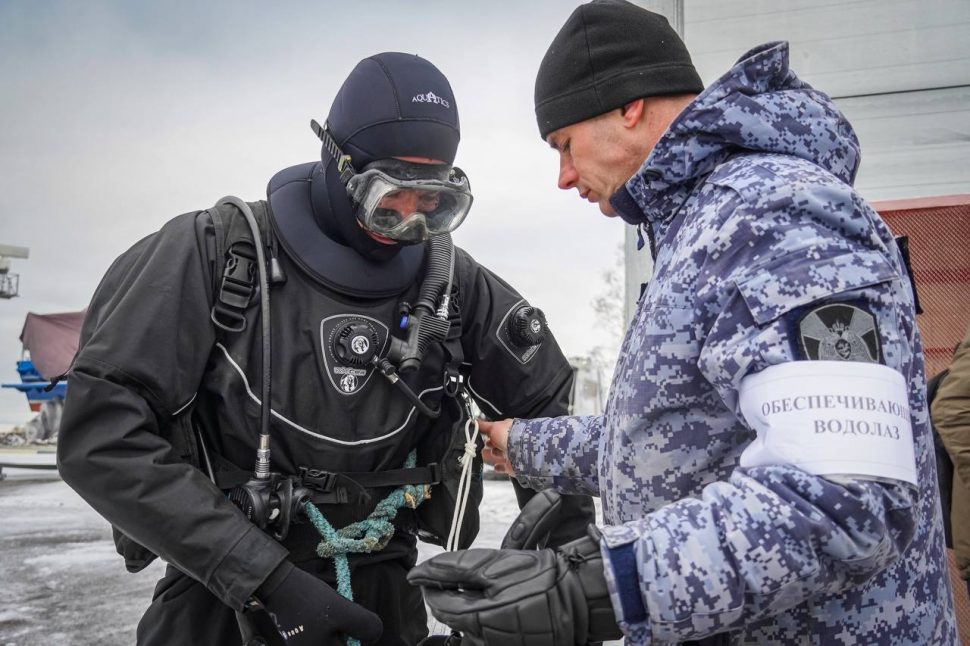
(63,584)
(62,581)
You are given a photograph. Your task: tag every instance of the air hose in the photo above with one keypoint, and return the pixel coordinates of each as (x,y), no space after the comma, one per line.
(428,321)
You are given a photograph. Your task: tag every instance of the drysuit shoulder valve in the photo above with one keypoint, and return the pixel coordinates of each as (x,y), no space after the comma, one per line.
(527,327)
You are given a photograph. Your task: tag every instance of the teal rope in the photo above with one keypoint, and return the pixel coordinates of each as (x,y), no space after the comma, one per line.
(365,536)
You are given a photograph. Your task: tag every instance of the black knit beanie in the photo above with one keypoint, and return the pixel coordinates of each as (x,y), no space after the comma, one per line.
(608,53)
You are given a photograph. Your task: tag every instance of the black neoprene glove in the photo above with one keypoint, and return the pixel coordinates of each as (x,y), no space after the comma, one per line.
(305,611)
(511,597)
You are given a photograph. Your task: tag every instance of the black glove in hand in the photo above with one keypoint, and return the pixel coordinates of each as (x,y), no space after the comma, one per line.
(535,523)
(519,597)
(308,612)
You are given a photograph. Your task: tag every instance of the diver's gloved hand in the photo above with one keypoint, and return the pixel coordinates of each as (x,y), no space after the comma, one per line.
(305,611)
(520,597)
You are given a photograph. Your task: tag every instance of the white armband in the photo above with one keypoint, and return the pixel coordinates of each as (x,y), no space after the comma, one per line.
(836,419)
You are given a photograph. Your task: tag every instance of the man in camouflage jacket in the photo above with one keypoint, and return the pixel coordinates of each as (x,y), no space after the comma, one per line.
(764,255)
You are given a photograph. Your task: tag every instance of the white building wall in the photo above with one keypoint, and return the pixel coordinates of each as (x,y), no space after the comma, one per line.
(899,70)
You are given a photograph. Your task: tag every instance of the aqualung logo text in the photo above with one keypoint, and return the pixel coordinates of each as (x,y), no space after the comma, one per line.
(430,97)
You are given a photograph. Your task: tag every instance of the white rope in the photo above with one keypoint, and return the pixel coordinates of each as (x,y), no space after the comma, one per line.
(467,459)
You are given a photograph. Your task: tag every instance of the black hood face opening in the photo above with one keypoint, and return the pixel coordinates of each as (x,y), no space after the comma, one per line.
(391,105)
(332,250)
(333,212)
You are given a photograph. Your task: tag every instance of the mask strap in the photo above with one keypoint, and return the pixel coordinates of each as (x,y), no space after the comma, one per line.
(344,167)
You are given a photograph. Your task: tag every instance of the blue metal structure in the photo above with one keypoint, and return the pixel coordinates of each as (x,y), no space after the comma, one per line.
(34,386)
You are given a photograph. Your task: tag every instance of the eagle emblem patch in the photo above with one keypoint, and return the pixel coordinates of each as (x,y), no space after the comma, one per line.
(839,332)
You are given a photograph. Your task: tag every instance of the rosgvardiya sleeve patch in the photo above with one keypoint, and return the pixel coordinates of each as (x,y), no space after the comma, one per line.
(840,331)
(821,305)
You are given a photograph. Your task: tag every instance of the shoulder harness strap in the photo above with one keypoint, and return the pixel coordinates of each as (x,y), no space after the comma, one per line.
(238,283)
(454,353)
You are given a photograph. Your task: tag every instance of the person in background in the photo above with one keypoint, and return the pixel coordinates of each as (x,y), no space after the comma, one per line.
(951,417)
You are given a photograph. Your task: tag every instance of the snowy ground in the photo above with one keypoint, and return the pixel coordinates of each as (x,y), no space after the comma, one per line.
(61,581)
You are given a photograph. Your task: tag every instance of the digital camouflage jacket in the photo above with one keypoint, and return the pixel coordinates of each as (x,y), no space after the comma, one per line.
(763,254)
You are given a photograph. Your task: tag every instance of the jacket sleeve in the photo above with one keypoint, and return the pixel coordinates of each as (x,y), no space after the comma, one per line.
(559,453)
(771,537)
(144,347)
(951,411)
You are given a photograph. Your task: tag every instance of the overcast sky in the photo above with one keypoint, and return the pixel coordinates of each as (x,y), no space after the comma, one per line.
(116,116)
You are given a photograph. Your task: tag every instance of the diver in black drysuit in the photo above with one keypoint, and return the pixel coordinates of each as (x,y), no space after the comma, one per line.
(162,404)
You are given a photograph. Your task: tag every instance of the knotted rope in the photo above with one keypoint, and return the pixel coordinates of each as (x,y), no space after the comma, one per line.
(365,536)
